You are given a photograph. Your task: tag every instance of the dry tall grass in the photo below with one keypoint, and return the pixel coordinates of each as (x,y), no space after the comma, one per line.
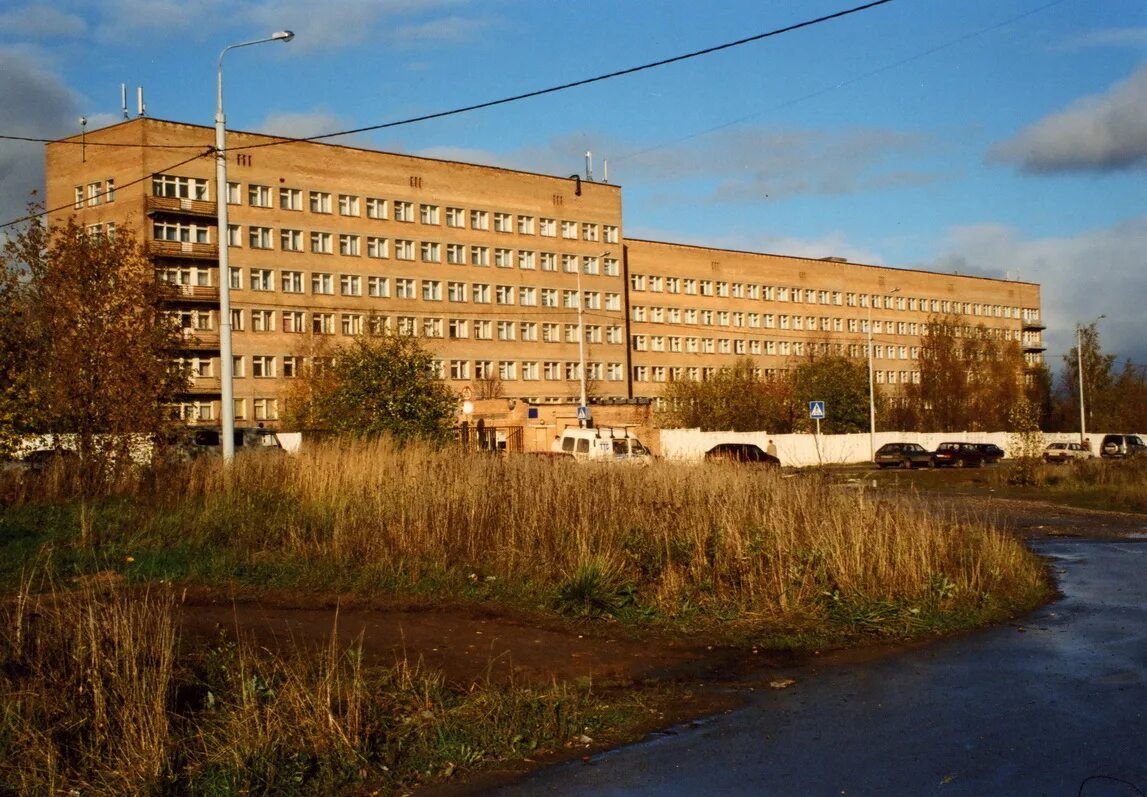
(678,538)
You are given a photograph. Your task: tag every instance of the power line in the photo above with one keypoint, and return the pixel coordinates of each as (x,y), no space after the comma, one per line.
(42,213)
(586,81)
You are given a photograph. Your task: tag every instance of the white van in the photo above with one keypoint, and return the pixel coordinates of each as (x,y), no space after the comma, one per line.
(602,443)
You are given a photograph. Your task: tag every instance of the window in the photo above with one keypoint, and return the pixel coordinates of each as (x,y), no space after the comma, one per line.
(234,194)
(259,237)
(457,328)
(613,301)
(479,220)
(404,288)
(569,264)
(504,294)
(320,202)
(352,324)
(611,267)
(234,236)
(503,222)
(378,287)
(236,281)
(481,293)
(455,217)
(262,320)
(291,240)
(259,196)
(428,214)
(169,185)
(637,282)
(262,279)
(237,367)
(431,290)
(503,258)
(456,254)
(456,291)
(549,297)
(262,366)
(293,321)
(569,230)
(431,252)
(549,261)
(79,198)
(321,243)
(613,334)
(348,245)
(348,205)
(266,409)
(290,199)
(377,247)
(322,283)
(323,323)
(525,225)
(350,285)
(432,327)
(290,366)
(548,227)
(551,333)
(109,190)
(404,250)
(611,233)
(459,369)
(379,325)
(591,265)
(569,299)
(375,208)
(551,370)
(529,331)
(528,297)
(505,330)
(589,232)
(593,301)
(185,233)
(479,256)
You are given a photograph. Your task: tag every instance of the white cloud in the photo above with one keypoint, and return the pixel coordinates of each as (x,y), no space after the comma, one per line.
(40,21)
(306,125)
(1098,272)
(1101,133)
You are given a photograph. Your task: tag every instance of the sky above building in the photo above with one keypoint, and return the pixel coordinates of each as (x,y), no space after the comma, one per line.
(1001,138)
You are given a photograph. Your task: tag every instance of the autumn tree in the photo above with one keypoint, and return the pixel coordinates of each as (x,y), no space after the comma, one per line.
(384,384)
(735,398)
(1098,382)
(970,379)
(100,355)
(842,384)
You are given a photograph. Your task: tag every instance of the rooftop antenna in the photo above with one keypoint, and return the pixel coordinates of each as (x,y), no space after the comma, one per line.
(605,170)
(83,139)
(123,99)
(589,166)
(139,101)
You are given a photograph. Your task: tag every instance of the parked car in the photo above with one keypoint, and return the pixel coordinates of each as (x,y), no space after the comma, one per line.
(1065,452)
(1122,446)
(209,441)
(903,455)
(741,452)
(992,452)
(958,455)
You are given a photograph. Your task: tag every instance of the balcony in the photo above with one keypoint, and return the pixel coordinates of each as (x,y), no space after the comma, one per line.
(208,294)
(200,208)
(203,386)
(1034,347)
(1033,325)
(183,249)
(200,340)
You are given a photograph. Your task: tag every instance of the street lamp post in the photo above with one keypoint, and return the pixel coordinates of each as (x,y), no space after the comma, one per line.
(227,369)
(1079,367)
(872,386)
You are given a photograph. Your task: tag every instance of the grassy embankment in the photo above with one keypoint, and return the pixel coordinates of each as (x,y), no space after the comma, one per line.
(99,692)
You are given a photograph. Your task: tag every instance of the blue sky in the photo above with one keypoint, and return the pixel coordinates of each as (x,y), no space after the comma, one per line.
(993,137)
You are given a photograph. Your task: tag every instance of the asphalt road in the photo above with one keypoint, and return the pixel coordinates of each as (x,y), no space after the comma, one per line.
(1053,706)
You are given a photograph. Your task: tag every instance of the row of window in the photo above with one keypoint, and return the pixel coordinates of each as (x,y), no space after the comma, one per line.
(738,290)
(94,193)
(354,205)
(776,348)
(261,409)
(662,373)
(431,290)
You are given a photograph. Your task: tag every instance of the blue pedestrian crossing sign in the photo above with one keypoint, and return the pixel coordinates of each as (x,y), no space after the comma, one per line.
(816,410)
(583,413)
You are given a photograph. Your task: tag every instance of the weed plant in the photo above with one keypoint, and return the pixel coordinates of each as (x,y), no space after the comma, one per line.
(99,697)
(668,543)
(1096,483)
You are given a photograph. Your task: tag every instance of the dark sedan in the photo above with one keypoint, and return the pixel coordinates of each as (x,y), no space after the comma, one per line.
(959,455)
(741,452)
(903,455)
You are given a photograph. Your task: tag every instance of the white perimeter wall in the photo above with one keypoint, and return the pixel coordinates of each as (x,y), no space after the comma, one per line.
(802,450)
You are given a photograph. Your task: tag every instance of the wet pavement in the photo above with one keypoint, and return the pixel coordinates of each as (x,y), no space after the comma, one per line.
(1053,705)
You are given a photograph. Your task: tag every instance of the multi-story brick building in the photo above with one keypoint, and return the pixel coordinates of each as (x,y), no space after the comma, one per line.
(484,264)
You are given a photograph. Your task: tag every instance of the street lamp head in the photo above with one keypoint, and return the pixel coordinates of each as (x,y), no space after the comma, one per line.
(283,35)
